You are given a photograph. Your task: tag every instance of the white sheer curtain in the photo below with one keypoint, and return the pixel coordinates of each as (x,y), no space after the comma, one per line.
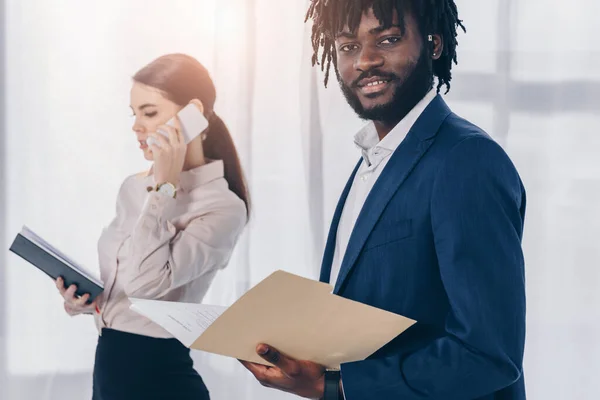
(527,73)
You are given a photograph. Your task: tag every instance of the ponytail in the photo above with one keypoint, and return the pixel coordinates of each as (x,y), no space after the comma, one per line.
(218,145)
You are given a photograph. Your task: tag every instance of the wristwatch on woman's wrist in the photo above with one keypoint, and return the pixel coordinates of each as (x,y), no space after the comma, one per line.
(167,189)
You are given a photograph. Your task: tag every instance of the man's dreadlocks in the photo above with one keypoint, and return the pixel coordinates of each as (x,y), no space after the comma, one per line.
(433,16)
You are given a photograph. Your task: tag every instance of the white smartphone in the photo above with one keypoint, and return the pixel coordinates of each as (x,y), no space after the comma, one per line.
(192,123)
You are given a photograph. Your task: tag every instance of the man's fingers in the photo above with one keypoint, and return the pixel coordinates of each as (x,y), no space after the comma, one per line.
(252,367)
(259,371)
(270,377)
(289,366)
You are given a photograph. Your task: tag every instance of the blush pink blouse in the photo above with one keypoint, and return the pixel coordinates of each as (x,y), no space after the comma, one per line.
(162,248)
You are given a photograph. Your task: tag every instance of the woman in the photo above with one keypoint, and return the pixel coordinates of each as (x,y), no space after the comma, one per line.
(164,244)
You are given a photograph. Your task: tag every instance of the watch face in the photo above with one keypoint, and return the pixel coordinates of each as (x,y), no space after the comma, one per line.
(167,189)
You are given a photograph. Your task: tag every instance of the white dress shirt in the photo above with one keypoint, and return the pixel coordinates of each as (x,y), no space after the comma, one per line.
(375,154)
(158,247)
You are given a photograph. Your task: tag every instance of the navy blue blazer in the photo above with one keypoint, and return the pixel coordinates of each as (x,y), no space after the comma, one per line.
(438,240)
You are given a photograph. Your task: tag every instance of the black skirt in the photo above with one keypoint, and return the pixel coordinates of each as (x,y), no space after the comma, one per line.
(130,367)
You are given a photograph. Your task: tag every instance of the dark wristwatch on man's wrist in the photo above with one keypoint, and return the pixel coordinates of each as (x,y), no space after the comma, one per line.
(332,385)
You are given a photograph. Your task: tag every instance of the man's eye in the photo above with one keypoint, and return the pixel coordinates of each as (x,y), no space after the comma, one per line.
(347,47)
(390,40)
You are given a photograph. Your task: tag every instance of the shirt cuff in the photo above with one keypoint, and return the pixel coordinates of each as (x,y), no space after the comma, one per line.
(159,205)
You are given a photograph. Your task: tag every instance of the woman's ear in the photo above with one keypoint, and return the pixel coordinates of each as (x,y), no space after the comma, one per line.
(198,104)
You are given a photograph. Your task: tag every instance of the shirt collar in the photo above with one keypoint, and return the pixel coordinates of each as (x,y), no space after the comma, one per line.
(373,150)
(195,177)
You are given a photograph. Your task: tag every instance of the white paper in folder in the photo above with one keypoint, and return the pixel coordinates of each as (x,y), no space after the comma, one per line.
(185,321)
(298,316)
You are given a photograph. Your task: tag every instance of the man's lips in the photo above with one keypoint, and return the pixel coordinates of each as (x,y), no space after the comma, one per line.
(373,85)
(372,81)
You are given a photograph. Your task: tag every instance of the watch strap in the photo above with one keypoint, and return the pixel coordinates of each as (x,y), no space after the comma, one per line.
(332,385)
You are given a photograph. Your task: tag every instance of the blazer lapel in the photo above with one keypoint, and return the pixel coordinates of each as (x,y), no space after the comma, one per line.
(403,161)
(331,238)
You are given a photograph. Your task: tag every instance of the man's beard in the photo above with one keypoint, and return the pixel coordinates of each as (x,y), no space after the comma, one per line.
(411,89)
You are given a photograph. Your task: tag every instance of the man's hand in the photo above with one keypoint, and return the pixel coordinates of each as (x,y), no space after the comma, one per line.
(303,378)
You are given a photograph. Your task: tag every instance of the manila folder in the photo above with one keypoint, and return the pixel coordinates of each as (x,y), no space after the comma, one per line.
(298,316)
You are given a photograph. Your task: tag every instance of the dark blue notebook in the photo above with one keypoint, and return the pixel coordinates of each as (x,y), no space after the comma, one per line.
(53,263)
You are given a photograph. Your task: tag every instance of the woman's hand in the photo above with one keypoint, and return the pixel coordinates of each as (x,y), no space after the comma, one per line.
(168,154)
(73,305)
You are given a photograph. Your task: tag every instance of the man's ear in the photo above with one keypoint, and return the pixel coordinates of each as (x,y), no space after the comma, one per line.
(436,44)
